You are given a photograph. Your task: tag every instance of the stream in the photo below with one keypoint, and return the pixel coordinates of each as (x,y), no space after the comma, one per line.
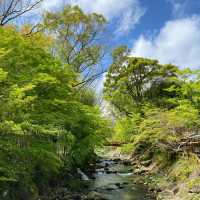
(108,179)
(114,180)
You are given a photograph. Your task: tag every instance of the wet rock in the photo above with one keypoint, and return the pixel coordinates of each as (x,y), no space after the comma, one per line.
(106,165)
(119,185)
(110,189)
(126,162)
(95,196)
(116,160)
(113,187)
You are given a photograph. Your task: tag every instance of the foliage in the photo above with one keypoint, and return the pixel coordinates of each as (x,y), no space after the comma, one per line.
(184,167)
(126,129)
(77,42)
(132,81)
(157,106)
(46,125)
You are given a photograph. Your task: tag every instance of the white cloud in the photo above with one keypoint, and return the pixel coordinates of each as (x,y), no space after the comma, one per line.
(129,20)
(178,42)
(51,4)
(127,12)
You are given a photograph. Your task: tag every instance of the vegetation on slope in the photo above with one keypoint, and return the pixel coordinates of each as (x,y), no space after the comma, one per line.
(157,114)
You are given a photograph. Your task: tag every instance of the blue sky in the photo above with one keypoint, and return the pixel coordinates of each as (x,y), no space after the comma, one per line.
(167,30)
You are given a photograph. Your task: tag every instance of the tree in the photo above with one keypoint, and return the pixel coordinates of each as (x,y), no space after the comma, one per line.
(131,81)
(77,40)
(45,125)
(12,9)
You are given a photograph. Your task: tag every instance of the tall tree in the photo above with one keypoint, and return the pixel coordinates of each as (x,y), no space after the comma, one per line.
(131,80)
(77,40)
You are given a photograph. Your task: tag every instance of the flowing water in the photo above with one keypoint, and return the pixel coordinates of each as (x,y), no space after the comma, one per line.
(115,181)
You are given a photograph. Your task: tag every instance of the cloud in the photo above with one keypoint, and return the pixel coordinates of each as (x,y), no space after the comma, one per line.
(51,4)
(178,42)
(179,7)
(129,20)
(127,12)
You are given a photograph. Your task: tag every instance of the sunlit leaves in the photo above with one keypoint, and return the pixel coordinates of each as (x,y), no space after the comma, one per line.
(3,75)
(45,123)
(77,39)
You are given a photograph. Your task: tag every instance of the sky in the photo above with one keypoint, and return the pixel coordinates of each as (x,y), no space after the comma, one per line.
(167,30)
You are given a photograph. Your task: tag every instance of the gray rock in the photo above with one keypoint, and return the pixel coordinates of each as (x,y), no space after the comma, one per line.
(95,196)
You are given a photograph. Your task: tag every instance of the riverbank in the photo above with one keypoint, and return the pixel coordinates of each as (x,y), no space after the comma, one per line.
(118,174)
(167,178)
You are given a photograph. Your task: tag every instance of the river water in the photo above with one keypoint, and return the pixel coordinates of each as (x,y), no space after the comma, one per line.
(114,180)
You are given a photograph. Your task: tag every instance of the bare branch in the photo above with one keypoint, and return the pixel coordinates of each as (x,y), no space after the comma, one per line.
(90,79)
(12,9)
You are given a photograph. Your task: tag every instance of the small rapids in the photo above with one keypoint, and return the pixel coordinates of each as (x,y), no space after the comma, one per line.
(84,177)
(113,180)
(108,179)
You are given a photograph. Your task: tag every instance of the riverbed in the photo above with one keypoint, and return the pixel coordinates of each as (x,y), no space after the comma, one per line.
(114,180)
(107,179)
